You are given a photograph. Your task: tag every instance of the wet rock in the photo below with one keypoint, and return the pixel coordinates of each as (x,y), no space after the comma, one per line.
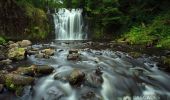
(73,51)
(1,88)
(44,69)
(135,54)
(24,43)
(49,52)
(60,77)
(16,53)
(6,62)
(90,95)
(77,77)
(95,79)
(54,93)
(34,70)
(74,56)
(98,53)
(31,52)
(14,81)
(39,55)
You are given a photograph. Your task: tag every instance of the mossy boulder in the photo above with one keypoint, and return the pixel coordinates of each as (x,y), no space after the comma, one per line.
(76,77)
(16,53)
(34,70)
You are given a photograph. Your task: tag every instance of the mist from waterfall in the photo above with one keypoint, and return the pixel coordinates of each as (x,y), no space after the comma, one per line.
(69,24)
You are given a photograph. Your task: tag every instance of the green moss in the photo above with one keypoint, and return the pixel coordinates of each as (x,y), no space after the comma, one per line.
(2,40)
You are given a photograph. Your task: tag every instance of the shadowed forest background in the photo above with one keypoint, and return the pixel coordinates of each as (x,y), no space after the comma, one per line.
(133,21)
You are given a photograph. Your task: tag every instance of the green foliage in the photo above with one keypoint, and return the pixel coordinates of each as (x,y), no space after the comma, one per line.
(2,40)
(138,35)
(38,26)
(164,43)
(159,30)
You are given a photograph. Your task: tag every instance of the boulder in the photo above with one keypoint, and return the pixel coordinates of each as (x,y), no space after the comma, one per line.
(16,53)
(44,69)
(48,52)
(24,43)
(19,80)
(74,56)
(77,77)
(73,51)
(34,70)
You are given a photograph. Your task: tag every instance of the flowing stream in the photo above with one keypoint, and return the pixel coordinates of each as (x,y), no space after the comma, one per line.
(123,77)
(69,24)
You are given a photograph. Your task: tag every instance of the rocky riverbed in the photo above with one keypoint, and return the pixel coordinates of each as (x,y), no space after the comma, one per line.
(82,70)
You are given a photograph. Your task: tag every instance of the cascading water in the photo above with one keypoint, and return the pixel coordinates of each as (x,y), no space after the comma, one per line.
(69,24)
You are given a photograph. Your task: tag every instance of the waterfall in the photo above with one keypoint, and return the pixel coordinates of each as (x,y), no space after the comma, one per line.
(69,24)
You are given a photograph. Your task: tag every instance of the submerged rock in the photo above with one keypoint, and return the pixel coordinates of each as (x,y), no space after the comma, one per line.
(77,77)
(90,95)
(95,79)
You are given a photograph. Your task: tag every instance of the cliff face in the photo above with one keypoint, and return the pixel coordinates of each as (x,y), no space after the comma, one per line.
(22,20)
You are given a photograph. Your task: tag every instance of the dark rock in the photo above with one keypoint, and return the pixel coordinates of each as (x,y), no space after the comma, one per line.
(77,77)
(54,93)
(98,53)
(90,95)
(73,51)
(74,56)
(44,69)
(34,70)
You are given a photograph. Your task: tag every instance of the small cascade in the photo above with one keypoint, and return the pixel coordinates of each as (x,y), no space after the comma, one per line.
(69,24)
